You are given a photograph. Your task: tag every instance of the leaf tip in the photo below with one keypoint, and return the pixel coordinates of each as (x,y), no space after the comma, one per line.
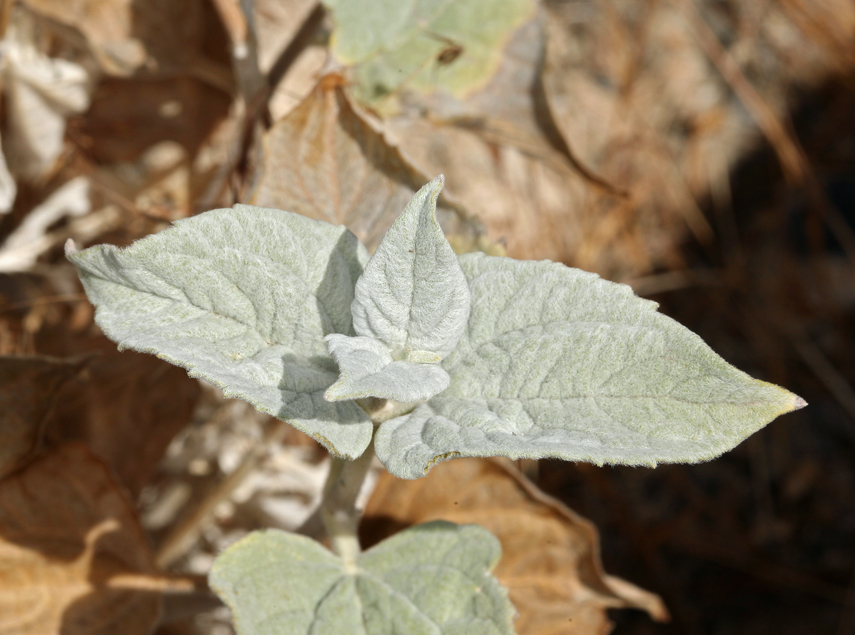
(71,248)
(799,403)
(435,187)
(333,395)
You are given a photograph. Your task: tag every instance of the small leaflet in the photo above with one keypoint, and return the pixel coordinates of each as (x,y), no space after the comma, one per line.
(433,579)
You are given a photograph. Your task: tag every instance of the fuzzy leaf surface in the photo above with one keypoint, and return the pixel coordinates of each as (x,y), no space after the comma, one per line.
(410,308)
(242,298)
(556,362)
(368,370)
(413,295)
(432,579)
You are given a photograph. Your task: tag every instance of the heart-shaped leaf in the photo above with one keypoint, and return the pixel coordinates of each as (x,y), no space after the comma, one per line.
(432,579)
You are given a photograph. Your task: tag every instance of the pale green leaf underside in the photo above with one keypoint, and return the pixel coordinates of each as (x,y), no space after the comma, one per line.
(392,42)
(432,579)
(242,298)
(556,362)
(368,370)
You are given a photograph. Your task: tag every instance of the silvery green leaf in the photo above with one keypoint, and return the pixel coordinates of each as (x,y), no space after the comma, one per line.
(394,43)
(432,579)
(413,295)
(368,370)
(556,362)
(242,298)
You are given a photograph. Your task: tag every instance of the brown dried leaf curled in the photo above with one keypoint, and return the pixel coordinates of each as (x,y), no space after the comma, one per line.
(66,532)
(327,160)
(550,555)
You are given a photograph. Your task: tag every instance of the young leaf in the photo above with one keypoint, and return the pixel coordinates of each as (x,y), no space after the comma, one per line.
(243,298)
(432,579)
(368,370)
(559,363)
(413,301)
(413,295)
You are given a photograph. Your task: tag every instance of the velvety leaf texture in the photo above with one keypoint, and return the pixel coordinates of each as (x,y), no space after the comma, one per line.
(410,307)
(556,362)
(432,579)
(368,370)
(242,298)
(413,295)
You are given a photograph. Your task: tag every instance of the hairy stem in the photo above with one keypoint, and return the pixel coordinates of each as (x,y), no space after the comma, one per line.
(338,508)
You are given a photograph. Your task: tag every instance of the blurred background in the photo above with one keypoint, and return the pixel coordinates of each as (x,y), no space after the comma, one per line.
(702,151)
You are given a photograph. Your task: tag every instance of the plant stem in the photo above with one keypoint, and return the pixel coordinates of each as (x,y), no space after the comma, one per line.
(338,508)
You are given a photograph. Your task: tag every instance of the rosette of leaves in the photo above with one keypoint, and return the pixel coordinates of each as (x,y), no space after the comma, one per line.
(443,355)
(477,355)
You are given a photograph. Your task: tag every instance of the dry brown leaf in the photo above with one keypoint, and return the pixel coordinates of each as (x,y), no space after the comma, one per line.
(28,387)
(276,23)
(127,407)
(550,555)
(536,211)
(327,160)
(510,110)
(67,533)
(128,116)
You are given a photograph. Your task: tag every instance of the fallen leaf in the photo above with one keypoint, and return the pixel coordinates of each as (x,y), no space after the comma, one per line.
(28,387)
(510,110)
(327,160)
(127,407)
(69,540)
(536,211)
(127,116)
(550,555)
